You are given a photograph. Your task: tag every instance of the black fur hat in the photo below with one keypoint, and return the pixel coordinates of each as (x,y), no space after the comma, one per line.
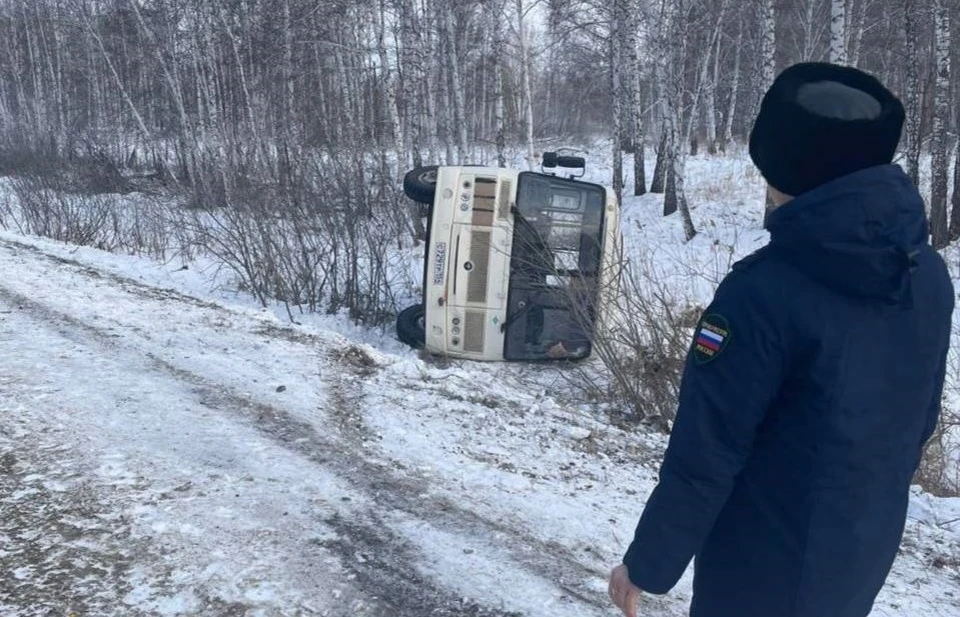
(820,121)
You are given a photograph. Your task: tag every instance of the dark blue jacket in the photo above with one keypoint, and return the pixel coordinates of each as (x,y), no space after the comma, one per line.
(813,382)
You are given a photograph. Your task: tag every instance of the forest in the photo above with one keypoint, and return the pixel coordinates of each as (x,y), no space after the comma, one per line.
(210,96)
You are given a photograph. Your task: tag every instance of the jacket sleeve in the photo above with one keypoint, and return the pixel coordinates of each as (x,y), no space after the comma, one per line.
(725,392)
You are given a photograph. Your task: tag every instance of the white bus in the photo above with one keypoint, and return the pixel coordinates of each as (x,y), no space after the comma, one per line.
(519,265)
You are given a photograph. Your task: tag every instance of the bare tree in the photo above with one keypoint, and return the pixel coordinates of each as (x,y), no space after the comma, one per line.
(636,97)
(389,88)
(912,93)
(675,198)
(412,71)
(499,59)
(768,37)
(710,89)
(940,234)
(727,136)
(855,38)
(661,76)
(617,38)
(768,20)
(459,120)
(808,15)
(955,200)
(838,31)
(526,89)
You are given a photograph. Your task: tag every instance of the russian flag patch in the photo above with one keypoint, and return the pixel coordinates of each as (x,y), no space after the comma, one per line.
(711,337)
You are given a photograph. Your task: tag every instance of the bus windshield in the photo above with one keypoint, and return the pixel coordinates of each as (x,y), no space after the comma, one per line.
(554,268)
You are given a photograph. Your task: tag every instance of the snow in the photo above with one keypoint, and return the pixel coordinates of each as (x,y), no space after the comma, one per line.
(169,447)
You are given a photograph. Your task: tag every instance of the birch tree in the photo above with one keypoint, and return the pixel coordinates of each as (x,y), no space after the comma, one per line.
(219,87)
(855,38)
(727,136)
(768,20)
(618,23)
(289,91)
(636,97)
(411,59)
(710,89)
(662,43)
(807,16)
(940,234)
(526,91)
(955,201)
(768,45)
(675,198)
(838,31)
(499,60)
(912,93)
(459,120)
(389,92)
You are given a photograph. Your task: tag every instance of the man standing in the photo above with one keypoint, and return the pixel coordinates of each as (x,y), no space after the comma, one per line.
(814,378)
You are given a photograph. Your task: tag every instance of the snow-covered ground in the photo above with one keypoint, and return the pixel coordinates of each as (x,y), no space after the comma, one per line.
(169,448)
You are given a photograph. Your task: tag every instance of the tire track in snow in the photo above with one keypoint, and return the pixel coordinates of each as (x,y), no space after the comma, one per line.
(393,487)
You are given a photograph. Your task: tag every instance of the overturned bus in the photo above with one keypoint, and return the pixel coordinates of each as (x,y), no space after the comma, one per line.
(519,266)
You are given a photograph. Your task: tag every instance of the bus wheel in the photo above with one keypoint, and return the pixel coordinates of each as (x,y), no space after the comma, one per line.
(410,328)
(420,184)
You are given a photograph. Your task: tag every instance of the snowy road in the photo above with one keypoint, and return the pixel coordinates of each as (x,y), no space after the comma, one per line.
(162,454)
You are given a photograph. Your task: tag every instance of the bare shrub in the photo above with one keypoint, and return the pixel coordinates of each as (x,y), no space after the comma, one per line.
(319,233)
(644,342)
(43,205)
(83,164)
(46,210)
(939,471)
(651,307)
(312,229)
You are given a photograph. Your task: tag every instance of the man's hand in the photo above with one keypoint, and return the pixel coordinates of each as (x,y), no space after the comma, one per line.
(623,593)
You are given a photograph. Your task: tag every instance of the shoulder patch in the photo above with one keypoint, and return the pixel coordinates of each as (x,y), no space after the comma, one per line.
(713,334)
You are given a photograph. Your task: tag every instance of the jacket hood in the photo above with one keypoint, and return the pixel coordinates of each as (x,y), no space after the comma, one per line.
(858,235)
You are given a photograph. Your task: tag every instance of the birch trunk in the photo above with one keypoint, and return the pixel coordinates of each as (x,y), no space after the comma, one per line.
(710,103)
(768,43)
(53,65)
(526,91)
(636,100)
(734,90)
(675,198)
(659,183)
(116,77)
(176,92)
(241,75)
(615,46)
(838,31)
(769,56)
(912,94)
(389,92)
(36,77)
(453,64)
(710,92)
(498,59)
(941,116)
(808,31)
(661,66)
(443,61)
(288,74)
(856,38)
(412,65)
(955,213)
(431,90)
